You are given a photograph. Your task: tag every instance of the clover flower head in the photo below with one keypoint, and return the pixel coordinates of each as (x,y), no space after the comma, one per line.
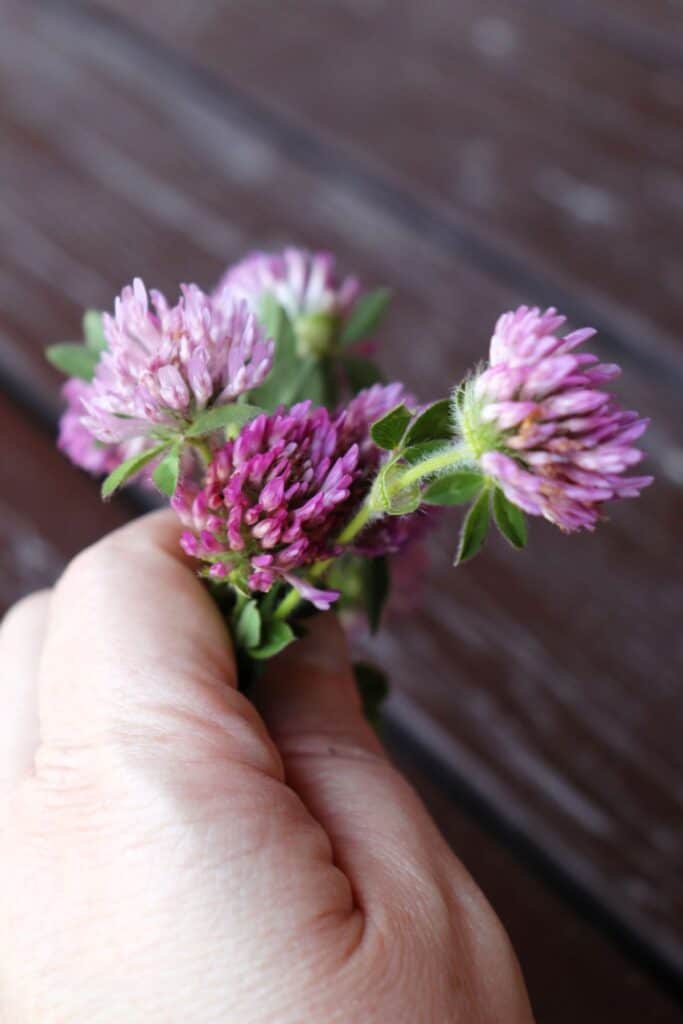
(76,441)
(272,501)
(163,364)
(538,423)
(305,284)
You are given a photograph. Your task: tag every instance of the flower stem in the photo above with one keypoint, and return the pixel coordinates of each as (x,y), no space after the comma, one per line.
(450,457)
(289,603)
(353,528)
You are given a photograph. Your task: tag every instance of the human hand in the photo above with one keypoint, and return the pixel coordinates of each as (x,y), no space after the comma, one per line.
(170,853)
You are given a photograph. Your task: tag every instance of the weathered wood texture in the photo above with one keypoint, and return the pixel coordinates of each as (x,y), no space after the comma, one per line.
(37,538)
(49,510)
(556,148)
(549,680)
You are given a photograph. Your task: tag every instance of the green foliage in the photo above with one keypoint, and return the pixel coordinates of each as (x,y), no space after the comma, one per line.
(165,475)
(510,519)
(271,316)
(235,414)
(281,385)
(474,529)
(93,331)
(248,626)
(73,360)
(393,498)
(419,452)
(366,316)
(388,431)
(276,635)
(129,468)
(454,488)
(433,424)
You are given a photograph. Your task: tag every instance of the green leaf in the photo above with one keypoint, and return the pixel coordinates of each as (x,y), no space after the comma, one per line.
(420,452)
(248,626)
(74,360)
(373,687)
(222,416)
(281,384)
(454,488)
(128,468)
(365,316)
(93,331)
(474,529)
(509,519)
(388,431)
(277,636)
(165,475)
(310,384)
(270,315)
(432,424)
(376,583)
(361,373)
(397,503)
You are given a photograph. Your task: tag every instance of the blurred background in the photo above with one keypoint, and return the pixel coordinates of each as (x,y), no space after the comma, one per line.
(472,155)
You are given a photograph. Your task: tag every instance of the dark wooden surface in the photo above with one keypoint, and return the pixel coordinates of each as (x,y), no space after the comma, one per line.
(414,139)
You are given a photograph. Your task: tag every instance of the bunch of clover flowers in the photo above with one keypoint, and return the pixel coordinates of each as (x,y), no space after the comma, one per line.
(155,378)
(294,472)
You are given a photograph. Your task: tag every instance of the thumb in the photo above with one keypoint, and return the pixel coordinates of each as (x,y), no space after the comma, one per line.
(136,652)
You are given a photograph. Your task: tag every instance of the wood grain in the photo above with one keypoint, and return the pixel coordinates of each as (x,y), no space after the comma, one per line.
(49,510)
(546,142)
(541,678)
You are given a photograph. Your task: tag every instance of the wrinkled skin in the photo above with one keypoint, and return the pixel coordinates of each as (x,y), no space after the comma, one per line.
(169,853)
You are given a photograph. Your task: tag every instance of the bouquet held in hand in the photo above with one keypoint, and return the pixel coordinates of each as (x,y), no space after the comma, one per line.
(298,472)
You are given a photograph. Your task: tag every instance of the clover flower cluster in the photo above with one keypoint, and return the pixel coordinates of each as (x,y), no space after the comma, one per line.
(274,500)
(541,426)
(270,495)
(270,500)
(303,283)
(163,364)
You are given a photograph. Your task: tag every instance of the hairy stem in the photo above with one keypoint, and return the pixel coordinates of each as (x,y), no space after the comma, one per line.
(450,458)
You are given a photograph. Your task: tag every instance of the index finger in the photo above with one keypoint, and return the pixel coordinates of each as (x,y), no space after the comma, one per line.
(135,644)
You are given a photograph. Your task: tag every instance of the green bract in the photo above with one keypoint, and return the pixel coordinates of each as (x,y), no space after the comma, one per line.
(474,529)
(366,316)
(73,359)
(129,468)
(510,519)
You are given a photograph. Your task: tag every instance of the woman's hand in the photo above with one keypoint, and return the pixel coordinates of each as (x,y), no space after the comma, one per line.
(170,853)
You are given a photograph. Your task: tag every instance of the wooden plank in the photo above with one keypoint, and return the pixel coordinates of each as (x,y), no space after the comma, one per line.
(37,537)
(541,139)
(572,973)
(49,510)
(540,677)
(652,29)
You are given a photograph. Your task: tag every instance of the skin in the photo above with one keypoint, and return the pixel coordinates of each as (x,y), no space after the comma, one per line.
(171,852)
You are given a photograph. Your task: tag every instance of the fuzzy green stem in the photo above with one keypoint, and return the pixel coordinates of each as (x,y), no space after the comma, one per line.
(450,458)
